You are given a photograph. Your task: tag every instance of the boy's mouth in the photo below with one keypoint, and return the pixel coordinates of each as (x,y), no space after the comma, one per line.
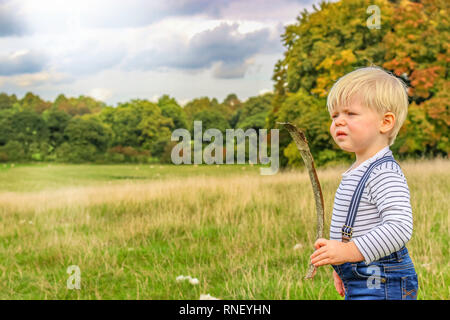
(340,133)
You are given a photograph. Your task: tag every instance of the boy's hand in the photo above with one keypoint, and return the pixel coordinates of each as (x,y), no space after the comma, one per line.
(334,252)
(338,284)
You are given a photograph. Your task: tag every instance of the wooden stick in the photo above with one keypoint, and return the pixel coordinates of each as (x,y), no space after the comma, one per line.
(302,145)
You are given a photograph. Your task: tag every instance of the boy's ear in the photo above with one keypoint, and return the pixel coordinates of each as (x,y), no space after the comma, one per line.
(387,122)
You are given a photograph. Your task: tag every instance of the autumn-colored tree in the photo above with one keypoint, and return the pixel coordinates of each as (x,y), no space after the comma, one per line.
(334,39)
(33,102)
(419,52)
(78,106)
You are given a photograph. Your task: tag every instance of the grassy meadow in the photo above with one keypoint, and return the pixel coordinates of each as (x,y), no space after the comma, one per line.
(132,229)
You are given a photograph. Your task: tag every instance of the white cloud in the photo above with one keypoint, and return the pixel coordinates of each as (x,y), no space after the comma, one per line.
(119,50)
(38,79)
(155,98)
(264,91)
(101,94)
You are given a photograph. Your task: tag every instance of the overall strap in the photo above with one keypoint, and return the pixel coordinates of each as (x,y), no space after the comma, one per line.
(347,228)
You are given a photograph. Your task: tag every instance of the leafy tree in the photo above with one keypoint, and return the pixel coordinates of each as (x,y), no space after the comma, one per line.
(230,108)
(139,124)
(155,128)
(12,151)
(254,112)
(199,104)
(33,102)
(124,121)
(6,129)
(232,101)
(56,123)
(77,153)
(25,127)
(211,119)
(235,105)
(172,110)
(418,50)
(7,102)
(85,133)
(411,42)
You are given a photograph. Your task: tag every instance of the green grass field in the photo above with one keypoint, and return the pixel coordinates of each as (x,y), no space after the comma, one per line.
(132,229)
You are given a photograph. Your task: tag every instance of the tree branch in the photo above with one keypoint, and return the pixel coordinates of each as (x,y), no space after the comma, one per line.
(302,145)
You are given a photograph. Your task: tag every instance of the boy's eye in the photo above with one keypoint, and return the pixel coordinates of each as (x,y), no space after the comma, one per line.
(349,113)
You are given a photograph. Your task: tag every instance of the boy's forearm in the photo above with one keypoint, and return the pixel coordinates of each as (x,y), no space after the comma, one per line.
(352,252)
(335,252)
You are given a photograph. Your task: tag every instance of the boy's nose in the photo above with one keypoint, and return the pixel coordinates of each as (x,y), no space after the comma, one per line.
(339,121)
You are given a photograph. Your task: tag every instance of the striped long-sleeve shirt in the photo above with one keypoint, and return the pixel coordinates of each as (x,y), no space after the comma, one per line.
(384,221)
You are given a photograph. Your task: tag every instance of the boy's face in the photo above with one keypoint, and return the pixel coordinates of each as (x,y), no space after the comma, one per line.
(360,125)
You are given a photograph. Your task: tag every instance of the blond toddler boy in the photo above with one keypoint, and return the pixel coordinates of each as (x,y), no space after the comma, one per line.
(372,216)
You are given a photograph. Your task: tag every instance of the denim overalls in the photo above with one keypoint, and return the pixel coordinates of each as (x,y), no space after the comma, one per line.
(392,277)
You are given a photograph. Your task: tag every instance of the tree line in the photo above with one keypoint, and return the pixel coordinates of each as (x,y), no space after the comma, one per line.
(323,45)
(86,130)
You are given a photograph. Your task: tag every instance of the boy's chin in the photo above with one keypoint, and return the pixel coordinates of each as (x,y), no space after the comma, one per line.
(349,149)
(345,147)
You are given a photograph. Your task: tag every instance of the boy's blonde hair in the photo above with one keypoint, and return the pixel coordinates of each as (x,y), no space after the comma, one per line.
(378,89)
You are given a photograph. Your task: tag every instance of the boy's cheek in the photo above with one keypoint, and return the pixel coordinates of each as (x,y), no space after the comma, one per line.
(331,130)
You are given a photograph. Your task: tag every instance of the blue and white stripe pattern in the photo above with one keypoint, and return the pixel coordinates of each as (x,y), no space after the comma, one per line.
(356,198)
(383,222)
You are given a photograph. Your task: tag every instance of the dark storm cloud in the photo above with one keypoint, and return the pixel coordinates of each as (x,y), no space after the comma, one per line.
(223,44)
(27,62)
(11,24)
(138,13)
(90,58)
(217,8)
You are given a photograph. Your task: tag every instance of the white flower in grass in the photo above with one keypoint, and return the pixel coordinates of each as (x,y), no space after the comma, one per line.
(180,278)
(193,281)
(207,297)
(298,246)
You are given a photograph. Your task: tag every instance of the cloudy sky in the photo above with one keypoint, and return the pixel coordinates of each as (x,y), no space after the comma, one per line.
(117,50)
